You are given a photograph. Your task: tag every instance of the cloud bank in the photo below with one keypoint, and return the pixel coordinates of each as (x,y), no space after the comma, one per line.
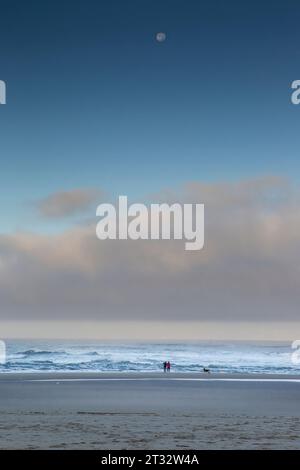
(249,269)
(67,203)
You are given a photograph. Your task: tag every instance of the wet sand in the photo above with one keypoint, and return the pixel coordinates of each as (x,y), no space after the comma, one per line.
(149,411)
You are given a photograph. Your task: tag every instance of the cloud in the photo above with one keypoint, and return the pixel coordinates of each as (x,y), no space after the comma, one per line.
(67,203)
(249,269)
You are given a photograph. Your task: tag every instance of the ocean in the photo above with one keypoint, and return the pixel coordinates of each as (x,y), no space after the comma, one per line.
(65,356)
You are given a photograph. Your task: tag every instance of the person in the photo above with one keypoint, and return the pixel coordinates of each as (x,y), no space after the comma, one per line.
(165,366)
(168,366)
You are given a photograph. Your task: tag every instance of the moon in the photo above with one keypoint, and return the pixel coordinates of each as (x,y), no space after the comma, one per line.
(161,37)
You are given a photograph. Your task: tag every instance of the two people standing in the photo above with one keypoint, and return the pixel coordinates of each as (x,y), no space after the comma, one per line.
(167,366)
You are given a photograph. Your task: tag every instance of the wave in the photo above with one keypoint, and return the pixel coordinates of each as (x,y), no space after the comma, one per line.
(128,366)
(34,352)
(38,352)
(96,357)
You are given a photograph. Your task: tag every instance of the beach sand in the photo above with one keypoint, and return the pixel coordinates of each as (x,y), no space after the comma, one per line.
(149,411)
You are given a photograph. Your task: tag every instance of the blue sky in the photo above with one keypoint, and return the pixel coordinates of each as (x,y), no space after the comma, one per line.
(94,101)
(96,107)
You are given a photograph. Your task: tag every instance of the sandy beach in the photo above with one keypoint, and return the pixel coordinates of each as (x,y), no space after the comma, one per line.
(149,411)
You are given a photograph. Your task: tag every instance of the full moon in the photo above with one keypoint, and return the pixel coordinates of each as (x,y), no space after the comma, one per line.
(161,37)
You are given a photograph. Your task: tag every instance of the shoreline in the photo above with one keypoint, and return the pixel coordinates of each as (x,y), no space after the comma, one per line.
(137,376)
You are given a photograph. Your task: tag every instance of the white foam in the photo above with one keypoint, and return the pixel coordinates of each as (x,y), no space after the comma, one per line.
(182,379)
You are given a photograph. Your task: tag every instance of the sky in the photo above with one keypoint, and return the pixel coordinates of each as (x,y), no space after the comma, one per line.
(96,107)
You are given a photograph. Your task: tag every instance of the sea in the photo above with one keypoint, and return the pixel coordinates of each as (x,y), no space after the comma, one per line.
(92,356)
